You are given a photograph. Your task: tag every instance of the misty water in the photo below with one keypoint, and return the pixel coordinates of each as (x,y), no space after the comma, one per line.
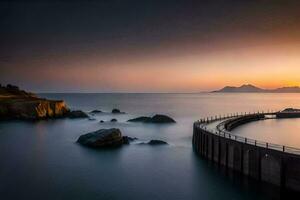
(42,160)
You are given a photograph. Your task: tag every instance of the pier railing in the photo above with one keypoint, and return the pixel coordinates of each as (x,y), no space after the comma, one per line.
(222,132)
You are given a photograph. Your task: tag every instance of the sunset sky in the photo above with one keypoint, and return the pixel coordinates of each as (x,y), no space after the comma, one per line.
(149,46)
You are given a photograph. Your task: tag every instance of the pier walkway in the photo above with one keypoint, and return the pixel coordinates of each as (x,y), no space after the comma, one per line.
(264,161)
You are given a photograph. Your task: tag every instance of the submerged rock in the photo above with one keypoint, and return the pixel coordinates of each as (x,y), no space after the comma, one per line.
(102,138)
(157,142)
(101,121)
(127,139)
(113,120)
(96,111)
(140,119)
(77,114)
(158,119)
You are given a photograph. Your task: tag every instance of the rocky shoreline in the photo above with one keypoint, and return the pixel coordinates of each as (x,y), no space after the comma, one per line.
(16,104)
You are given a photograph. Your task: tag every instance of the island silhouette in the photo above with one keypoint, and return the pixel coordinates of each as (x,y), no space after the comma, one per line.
(248,88)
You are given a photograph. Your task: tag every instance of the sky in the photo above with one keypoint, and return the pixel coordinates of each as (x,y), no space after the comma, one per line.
(149,46)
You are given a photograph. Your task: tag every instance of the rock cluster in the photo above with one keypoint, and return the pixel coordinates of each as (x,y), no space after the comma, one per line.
(104,138)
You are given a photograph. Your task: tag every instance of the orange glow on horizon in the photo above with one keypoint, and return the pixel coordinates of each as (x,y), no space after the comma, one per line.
(266,65)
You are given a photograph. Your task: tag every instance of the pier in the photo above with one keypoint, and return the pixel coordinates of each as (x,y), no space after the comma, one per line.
(267,162)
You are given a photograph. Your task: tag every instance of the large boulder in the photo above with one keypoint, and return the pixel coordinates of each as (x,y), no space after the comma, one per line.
(158,119)
(102,138)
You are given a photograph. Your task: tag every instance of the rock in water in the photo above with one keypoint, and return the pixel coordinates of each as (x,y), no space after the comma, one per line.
(140,119)
(96,111)
(157,119)
(162,119)
(113,120)
(77,114)
(115,111)
(102,138)
(127,139)
(156,142)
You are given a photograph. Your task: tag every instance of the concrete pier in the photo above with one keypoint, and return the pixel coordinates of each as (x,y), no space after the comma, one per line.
(272,163)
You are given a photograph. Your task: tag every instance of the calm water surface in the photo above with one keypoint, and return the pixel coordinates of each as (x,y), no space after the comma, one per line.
(42,161)
(278,131)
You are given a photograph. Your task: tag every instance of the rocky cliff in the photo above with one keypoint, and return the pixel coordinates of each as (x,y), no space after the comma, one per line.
(18,104)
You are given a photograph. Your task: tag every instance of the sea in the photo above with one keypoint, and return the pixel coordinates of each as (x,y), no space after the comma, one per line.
(41,160)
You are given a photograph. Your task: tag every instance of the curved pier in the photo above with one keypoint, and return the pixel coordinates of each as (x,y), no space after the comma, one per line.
(272,163)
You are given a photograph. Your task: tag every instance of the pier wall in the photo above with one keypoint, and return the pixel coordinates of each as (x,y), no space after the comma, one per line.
(261,163)
(231,124)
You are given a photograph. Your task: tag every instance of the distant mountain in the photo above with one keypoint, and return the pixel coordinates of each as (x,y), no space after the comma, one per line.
(248,88)
(294,89)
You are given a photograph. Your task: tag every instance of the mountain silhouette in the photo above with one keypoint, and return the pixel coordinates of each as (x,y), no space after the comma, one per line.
(248,88)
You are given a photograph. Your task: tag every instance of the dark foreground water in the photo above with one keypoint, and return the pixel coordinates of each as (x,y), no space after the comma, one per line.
(42,161)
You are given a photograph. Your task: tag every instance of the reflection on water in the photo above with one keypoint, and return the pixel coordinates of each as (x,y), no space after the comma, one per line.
(277,131)
(42,160)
